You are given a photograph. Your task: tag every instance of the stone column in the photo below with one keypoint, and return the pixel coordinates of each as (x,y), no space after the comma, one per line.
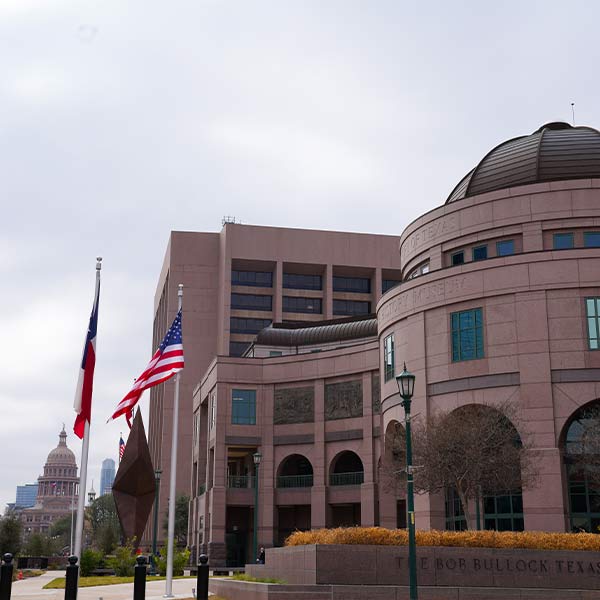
(318,514)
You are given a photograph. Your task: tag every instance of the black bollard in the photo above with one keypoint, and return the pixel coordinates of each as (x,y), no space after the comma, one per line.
(139,579)
(72,577)
(202,582)
(6,571)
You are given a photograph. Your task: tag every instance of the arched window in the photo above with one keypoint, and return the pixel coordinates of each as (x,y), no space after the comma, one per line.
(295,471)
(582,465)
(346,469)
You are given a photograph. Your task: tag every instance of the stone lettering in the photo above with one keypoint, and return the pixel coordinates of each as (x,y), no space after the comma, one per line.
(543,566)
(498,565)
(399,559)
(521,565)
(487,564)
(559,564)
(532,565)
(450,564)
(439,564)
(570,567)
(430,232)
(476,564)
(424,562)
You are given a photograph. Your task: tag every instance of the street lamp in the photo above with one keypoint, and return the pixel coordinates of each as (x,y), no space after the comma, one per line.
(406,387)
(157,474)
(257,456)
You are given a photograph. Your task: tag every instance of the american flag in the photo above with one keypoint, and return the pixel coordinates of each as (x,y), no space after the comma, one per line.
(121,448)
(167,361)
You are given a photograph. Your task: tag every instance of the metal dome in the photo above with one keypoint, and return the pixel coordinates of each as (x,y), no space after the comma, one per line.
(556,151)
(61,455)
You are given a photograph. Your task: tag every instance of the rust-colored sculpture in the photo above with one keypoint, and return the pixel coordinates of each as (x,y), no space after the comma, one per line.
(134,486)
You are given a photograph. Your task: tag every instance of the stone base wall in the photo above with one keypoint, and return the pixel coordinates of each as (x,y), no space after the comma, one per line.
(436,566)
(217,554)
(243,590)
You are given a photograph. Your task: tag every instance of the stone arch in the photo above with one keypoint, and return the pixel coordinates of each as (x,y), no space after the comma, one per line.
(346,468)
(580,444)
(498,511)
(295,470)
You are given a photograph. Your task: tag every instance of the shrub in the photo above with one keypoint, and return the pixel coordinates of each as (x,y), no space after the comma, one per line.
(180,559)
(90,560)
(123,561)
(379,536)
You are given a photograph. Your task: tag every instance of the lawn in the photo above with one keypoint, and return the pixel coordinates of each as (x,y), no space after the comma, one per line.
(59,582)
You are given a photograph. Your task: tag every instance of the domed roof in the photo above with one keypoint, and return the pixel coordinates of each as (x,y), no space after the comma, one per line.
(556,151)
(61,455)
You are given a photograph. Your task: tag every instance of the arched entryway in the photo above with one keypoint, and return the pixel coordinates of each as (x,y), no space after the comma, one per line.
(581,452)
(295,471)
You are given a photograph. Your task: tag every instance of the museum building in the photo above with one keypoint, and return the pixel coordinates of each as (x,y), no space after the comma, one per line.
(499,301)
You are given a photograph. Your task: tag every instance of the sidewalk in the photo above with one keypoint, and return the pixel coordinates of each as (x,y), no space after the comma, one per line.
(31,589)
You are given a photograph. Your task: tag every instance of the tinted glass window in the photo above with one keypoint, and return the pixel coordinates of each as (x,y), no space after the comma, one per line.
(240,325)
(591,239)
(238,348)
(505,247)
(388,284)
(295,281)
(388,357)
(480,253)
(352,284)
(251,302)
(592,309)
(252,278)
(302,305)
(351,307)
(467,334)
(458,258)
(561,241)
(243,407)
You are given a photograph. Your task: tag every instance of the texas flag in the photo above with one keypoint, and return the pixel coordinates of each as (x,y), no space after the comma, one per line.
(83,395)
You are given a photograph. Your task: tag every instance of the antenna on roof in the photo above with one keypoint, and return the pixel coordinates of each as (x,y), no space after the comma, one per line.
(228,219)
(573,112)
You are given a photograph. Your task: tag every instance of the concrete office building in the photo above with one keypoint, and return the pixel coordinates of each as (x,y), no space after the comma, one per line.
(499,300)
(236,283)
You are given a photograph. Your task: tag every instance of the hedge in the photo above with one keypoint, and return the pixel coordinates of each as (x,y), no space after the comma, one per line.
(379,536)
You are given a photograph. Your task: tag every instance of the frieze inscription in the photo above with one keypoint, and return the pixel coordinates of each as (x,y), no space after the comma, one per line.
(430,232)
(294,405)
(343,400)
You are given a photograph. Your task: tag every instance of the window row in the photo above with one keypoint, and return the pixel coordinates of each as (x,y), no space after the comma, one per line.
(388,284)
(296,281)
(351,307)
(564,240)
(249,325)
(252,278)
(503,248)
(360,285)
(251,302)
(302,305)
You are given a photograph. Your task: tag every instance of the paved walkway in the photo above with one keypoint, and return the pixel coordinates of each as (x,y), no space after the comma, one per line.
(31,589)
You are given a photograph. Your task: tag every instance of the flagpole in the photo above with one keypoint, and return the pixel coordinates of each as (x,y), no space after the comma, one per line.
(171,527)
(84,456)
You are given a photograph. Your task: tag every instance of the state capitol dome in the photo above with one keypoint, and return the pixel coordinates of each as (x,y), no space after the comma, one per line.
(556,151)
(61,455)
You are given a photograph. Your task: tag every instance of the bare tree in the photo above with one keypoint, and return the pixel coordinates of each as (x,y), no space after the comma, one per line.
(476,450)
(582,446)
(392,466)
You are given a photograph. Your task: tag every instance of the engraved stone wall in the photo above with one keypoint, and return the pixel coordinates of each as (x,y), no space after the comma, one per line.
(343,400)
(294,405)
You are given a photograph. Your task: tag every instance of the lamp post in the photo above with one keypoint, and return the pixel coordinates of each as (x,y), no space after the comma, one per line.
(406,387)
(257,457)
(157,474)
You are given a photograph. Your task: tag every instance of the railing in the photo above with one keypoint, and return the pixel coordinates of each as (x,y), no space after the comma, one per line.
(294,481)
(347,478)
(240,481)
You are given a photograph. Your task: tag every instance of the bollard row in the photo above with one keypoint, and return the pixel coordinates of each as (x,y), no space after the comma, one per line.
(6,572)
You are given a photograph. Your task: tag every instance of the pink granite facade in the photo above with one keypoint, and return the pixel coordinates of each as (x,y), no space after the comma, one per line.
(537,349)
(223,308)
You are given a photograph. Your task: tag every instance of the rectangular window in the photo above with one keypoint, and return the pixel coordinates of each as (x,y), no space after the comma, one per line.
(251,302)
(213,410)
(360,285)
(592,309)
(275,353)
(458,258)
(560,241)
(243,407)
(302,305)
(467,334)
(238,348)
(351,307)
(388,284)
(252,278)
(591,239)
(505,247)
(241,325)
(388,357)
(480,253)
(296,281)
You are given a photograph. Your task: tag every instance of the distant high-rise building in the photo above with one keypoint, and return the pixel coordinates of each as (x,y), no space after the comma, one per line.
(107,476)
(26,495)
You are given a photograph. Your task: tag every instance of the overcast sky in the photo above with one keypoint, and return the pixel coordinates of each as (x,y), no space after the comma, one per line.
(122,120)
